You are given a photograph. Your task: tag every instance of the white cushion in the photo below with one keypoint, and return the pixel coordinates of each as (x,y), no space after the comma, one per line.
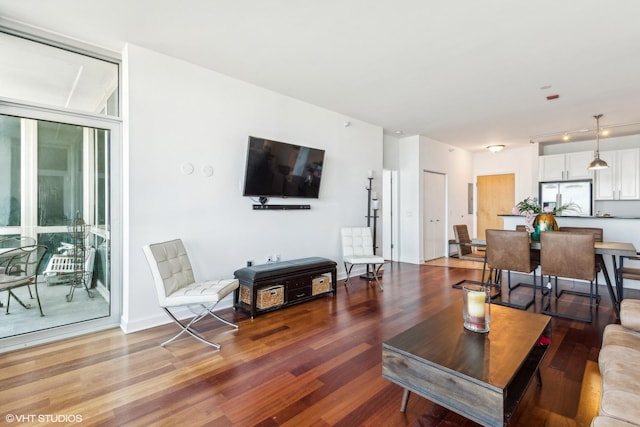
(363,259)
(202,292)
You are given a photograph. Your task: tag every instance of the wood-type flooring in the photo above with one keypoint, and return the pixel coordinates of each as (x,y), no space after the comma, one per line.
(313,364)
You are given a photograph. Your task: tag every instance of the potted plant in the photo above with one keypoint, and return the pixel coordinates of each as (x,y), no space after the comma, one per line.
(537,218)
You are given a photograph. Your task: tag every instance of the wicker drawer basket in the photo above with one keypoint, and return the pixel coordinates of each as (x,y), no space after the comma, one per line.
(267,297)
(321,284)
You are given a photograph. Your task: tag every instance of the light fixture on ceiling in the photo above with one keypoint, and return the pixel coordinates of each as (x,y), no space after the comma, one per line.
(597,162)
(495,148)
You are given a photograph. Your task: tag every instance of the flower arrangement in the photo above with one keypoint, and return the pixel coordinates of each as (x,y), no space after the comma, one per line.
(530,208)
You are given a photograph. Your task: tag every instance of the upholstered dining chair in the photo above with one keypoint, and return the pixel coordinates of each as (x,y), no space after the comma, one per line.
(568,255)
(466,248)
(598,235)
(535,253)
(629,272)
(357,249)
(176,287)
(509,250)
(19,267)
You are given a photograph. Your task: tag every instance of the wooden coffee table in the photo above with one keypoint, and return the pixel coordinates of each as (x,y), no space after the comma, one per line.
(480,376)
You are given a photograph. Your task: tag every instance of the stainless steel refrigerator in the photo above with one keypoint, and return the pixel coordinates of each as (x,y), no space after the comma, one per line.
(554,194)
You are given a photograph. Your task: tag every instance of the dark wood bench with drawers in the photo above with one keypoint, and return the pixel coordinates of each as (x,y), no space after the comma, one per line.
(272,286)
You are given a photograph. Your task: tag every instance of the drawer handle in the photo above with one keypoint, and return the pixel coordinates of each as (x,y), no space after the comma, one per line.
(299,295)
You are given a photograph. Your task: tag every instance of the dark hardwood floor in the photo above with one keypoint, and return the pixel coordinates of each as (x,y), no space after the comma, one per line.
(314,364)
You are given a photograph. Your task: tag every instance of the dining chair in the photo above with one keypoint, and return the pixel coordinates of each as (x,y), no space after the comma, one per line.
(357,249)
(598,235)
(571,256)
(629,272)
(507,251)
(535,253)
(20,267)
(176,287)
(466,248)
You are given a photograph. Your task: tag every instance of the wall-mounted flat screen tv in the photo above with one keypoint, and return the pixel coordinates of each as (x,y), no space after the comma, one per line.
(279,169)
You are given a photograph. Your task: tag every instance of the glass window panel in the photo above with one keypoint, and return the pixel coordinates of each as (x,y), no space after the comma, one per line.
(38,73)
(101,172)
(10,171)
(60,180)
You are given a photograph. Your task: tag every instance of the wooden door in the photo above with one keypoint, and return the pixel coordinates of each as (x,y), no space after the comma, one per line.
(496,195)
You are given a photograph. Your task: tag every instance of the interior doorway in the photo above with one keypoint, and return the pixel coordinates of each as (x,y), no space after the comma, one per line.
(434,219)
(496,195)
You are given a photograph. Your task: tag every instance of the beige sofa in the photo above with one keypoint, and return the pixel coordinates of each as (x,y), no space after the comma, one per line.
(619,363)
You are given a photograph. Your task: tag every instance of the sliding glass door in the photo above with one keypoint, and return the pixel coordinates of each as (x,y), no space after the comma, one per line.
(55,189)
(59,186)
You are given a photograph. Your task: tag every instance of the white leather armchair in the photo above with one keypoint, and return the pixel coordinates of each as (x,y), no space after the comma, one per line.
(357,249)
(176,286)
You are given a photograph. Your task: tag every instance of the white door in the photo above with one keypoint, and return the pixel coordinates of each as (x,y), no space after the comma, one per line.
(435,224)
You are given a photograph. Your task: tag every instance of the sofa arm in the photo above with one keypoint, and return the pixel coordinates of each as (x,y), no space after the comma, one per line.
(609,422)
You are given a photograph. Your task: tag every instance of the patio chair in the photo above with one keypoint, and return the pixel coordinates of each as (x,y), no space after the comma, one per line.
(19,267)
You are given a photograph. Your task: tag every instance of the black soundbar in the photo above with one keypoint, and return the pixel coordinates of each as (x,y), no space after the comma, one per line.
(279,207)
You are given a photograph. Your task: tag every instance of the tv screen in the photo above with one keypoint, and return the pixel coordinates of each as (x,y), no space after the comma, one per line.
(279,169)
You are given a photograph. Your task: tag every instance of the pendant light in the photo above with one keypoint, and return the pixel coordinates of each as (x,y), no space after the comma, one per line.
(597,162)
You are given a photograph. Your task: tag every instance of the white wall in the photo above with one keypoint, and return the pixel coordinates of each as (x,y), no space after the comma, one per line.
(523,162)
(411,156)
(457,165)
(176,112)
(410,201)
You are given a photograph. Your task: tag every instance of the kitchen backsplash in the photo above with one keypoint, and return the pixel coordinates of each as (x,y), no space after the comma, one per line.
(617,208)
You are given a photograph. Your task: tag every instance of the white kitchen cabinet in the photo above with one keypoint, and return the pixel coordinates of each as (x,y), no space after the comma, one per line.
(565,167)
(621,180)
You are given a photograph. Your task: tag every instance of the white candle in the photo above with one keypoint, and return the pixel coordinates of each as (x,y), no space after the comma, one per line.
(375,205)
(370,174)
(475,308)
(374,195)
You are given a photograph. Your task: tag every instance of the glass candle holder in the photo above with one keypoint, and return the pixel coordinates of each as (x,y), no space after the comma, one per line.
(476,307)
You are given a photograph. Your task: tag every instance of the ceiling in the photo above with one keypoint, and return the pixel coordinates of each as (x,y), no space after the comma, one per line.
(465,72)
